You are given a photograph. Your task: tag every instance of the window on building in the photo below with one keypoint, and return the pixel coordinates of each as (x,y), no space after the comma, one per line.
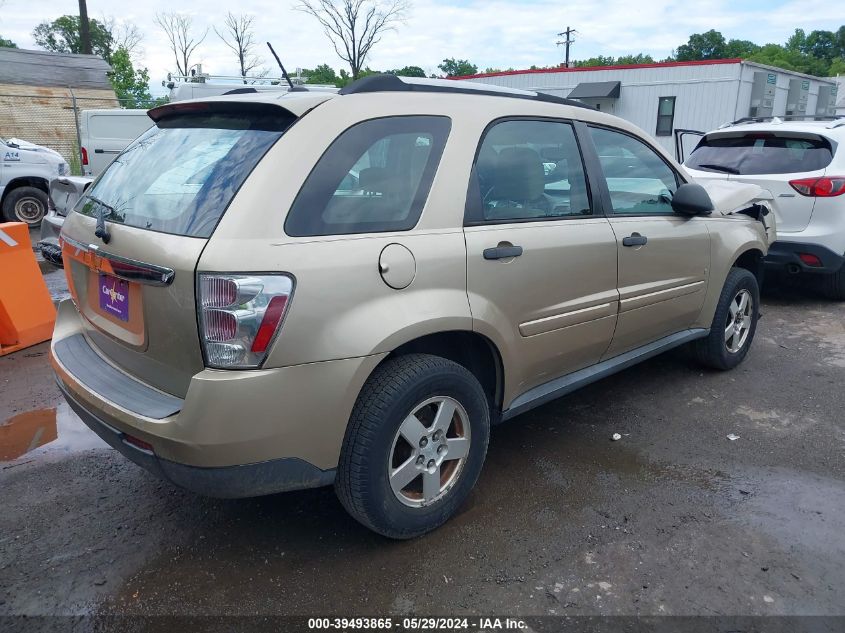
(665,115)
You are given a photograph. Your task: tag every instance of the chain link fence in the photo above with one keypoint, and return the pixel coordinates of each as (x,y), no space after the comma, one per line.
(52,120)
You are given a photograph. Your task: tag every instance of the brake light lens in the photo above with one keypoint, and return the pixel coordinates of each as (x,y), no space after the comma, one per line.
(826,187)
(84,153)
(240,316)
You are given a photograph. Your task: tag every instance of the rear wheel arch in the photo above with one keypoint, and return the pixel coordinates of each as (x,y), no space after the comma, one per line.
(473,351)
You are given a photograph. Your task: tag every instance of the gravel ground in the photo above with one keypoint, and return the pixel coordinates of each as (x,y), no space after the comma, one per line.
(672,519)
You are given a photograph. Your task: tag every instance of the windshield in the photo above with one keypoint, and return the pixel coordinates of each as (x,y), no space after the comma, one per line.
(180,176)
(760,154)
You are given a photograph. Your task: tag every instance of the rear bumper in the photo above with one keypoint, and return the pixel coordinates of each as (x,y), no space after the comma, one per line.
(227,482)
(785,255)
(235,434)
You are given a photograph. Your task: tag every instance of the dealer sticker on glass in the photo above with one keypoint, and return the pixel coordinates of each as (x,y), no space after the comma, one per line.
(114,297)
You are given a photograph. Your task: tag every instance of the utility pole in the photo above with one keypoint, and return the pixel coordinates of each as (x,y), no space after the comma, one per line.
(84,29)
(567,34)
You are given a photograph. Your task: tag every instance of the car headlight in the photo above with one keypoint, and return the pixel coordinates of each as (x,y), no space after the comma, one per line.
(64,169)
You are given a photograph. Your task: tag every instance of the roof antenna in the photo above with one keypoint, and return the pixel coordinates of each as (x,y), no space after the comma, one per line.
(279,61)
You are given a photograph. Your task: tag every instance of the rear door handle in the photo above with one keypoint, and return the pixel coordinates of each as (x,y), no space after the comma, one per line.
(502,252)
(635,239)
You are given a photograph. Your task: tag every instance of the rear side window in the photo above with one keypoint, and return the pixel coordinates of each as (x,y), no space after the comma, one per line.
(374,177)
(760,154)
(180,176)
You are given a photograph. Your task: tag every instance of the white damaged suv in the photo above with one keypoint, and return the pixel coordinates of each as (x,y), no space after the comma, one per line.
(802,163)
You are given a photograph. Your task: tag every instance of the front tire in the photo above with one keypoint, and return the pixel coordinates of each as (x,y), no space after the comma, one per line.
(25,204)
(734,323)
(414,446)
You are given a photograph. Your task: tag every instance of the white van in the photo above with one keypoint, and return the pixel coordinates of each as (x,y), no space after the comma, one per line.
(106,133)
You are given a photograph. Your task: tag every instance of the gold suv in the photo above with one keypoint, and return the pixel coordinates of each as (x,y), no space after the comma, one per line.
(280,292)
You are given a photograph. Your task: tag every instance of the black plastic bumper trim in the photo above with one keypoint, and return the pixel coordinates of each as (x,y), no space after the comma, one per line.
(786,253)
(225,482)
(84,364)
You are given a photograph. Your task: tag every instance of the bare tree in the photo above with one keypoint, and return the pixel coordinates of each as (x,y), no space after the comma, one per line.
(239,37)
(183,41)
(124,34)
(355,26)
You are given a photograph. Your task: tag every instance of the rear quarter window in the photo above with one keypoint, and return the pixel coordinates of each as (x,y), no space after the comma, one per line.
(761,154)
(374,177)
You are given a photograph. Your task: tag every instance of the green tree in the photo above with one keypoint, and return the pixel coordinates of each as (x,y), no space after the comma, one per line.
(598,60)
(131,86)
(62,36)
(837,67)
(709,45)
(797,41)
(639,58)
(822,45)
(782,57)
(740,48)
(458,67)
(322,74)
(4,43)
(408,71)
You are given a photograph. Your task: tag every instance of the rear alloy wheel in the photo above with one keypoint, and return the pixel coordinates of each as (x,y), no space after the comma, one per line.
(734,322)
(429,451)
(25,204)
(414,446)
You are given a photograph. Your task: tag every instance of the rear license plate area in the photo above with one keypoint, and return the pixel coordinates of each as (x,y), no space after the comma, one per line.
(114,296)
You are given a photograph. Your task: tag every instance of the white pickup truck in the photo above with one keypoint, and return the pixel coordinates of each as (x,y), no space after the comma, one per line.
(25,173)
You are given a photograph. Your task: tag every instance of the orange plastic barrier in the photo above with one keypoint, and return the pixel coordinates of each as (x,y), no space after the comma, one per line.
(27,314)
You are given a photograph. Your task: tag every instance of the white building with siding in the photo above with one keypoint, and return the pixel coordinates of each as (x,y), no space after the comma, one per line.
(663,97)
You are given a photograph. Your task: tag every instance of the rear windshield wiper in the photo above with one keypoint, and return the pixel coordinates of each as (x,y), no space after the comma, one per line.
(103,211)
(722,168)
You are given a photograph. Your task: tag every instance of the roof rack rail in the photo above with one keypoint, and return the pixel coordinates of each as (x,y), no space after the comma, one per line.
(787,117)
(393,83)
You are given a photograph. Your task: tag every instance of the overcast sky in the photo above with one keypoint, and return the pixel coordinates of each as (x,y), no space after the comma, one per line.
(494,33)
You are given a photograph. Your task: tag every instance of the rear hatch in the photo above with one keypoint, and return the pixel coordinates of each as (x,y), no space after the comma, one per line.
(771,160)
(131,247)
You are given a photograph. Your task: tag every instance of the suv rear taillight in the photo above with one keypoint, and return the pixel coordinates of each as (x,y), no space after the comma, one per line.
(84,153)
(826,187)
(240,316)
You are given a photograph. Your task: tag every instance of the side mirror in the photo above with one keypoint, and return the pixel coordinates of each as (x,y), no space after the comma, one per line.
(692,199)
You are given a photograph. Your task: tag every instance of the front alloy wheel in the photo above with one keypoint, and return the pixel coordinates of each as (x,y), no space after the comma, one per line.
(738,325)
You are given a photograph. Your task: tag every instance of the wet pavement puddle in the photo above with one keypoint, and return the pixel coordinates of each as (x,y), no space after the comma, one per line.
(42,431)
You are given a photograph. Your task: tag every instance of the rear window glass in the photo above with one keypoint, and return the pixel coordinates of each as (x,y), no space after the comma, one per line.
(756,154)
(180,176)
(374,177)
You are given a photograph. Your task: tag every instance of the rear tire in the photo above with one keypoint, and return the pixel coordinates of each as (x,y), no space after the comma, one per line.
(414,446)
(25,204)
(734,323)
(833,285)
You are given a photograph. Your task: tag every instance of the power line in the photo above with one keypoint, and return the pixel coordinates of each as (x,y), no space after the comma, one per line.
(568,33)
